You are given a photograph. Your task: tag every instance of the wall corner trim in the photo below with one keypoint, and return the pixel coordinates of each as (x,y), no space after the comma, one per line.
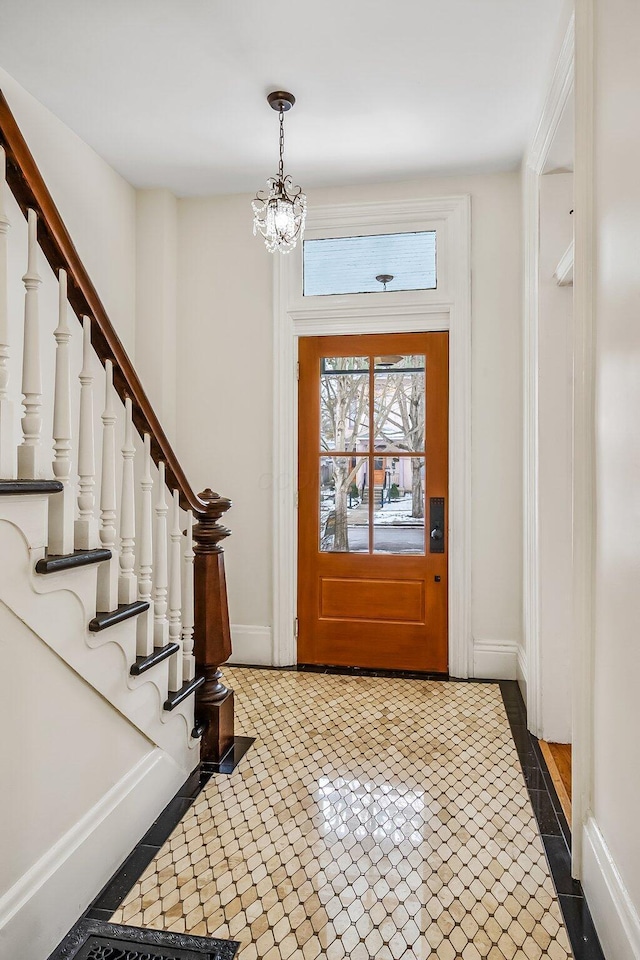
(558,94)
(614,914)
(521,668)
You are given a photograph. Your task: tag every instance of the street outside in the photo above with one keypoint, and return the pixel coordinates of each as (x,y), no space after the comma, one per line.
(395,530)
(387,539)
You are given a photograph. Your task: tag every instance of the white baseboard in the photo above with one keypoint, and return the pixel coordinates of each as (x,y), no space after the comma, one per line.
(614,915)
(251,645)
(492,659)
(521,671)
(38,910)
(495,659)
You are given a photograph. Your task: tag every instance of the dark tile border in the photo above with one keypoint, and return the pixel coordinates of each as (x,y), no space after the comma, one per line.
(554,830)
(364,672)
(114,892)
(232,758)
(116,889)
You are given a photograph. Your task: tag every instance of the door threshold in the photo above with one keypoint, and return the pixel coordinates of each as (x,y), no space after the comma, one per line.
(370,672)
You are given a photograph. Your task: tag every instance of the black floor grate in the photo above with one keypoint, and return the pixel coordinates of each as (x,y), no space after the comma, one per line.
(96,940)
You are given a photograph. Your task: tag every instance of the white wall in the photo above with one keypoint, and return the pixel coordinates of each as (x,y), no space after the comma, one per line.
(34,816)
(97,205)
(555,373)
(71,816)
(156,328)
(616,710)
(225,385)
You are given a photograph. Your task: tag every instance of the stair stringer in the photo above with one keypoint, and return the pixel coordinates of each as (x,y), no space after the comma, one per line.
(58,608)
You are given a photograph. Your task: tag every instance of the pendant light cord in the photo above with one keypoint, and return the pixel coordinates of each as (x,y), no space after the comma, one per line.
(281,168)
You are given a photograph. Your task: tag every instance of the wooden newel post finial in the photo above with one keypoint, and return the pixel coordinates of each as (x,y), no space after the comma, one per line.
(214,702)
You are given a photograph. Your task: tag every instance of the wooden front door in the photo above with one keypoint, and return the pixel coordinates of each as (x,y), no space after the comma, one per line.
(373,486)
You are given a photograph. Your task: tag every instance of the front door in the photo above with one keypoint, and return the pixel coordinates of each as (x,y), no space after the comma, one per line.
(372,522)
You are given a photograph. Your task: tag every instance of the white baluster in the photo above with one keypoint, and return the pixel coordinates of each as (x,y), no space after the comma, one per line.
(29,452)
(127,585)
(160,572)
(7,422)
(108,571)
(145,553)
(86,526)
(188,659)
(175,600)
(61,505)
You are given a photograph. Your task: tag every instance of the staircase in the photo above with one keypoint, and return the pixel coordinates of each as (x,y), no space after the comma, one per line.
(112,586)
(54,595)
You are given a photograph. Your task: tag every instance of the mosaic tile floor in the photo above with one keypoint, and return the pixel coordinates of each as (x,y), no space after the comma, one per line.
(374,819)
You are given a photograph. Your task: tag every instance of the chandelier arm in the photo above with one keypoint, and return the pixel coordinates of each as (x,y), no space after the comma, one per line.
(292,189)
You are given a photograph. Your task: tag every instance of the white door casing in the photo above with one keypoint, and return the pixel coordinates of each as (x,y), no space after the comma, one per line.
(446,308)
(555,105)
(574,69)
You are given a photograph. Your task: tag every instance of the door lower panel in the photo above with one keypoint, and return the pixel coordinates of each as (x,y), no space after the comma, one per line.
(402,601)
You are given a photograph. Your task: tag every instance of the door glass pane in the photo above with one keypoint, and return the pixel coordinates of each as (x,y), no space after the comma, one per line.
(398,506)
(344,505)
(344,403)
(399,403)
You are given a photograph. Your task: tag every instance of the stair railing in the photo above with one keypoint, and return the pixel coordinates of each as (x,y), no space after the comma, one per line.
(188,600)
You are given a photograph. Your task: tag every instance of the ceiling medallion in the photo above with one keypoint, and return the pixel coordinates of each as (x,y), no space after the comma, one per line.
(279,213)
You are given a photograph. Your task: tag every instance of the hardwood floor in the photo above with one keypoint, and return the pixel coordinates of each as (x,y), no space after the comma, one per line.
(558,758)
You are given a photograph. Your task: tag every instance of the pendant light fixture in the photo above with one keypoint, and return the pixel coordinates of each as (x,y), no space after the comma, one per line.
(279,213)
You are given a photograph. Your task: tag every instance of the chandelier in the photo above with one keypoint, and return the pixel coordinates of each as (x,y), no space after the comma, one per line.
(279,212)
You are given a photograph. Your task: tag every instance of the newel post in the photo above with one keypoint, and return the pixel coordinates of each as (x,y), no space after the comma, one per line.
(214,702)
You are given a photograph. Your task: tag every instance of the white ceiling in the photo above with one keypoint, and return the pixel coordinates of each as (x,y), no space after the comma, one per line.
(172,92)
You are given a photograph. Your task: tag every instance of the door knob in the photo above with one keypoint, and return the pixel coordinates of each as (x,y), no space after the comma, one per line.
(437,534)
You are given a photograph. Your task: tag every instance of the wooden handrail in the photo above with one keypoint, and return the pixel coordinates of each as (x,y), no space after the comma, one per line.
(29,189)
(214,703)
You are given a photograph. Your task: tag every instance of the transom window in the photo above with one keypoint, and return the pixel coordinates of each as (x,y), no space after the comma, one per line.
(346,265)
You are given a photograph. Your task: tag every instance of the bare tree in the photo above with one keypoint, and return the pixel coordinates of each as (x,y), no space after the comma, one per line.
(344,416)
(400,421)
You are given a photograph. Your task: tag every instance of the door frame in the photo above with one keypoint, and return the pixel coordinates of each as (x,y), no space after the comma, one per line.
(446,308)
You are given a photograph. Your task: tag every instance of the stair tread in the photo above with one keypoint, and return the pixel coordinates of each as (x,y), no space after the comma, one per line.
(123,612)
(177,696)
(10,487)
(159,654)
(53,563)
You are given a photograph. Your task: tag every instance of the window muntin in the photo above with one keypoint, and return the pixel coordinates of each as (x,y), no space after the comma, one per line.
(372,454)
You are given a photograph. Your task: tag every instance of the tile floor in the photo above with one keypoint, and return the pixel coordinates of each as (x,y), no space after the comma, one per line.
(374,819)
